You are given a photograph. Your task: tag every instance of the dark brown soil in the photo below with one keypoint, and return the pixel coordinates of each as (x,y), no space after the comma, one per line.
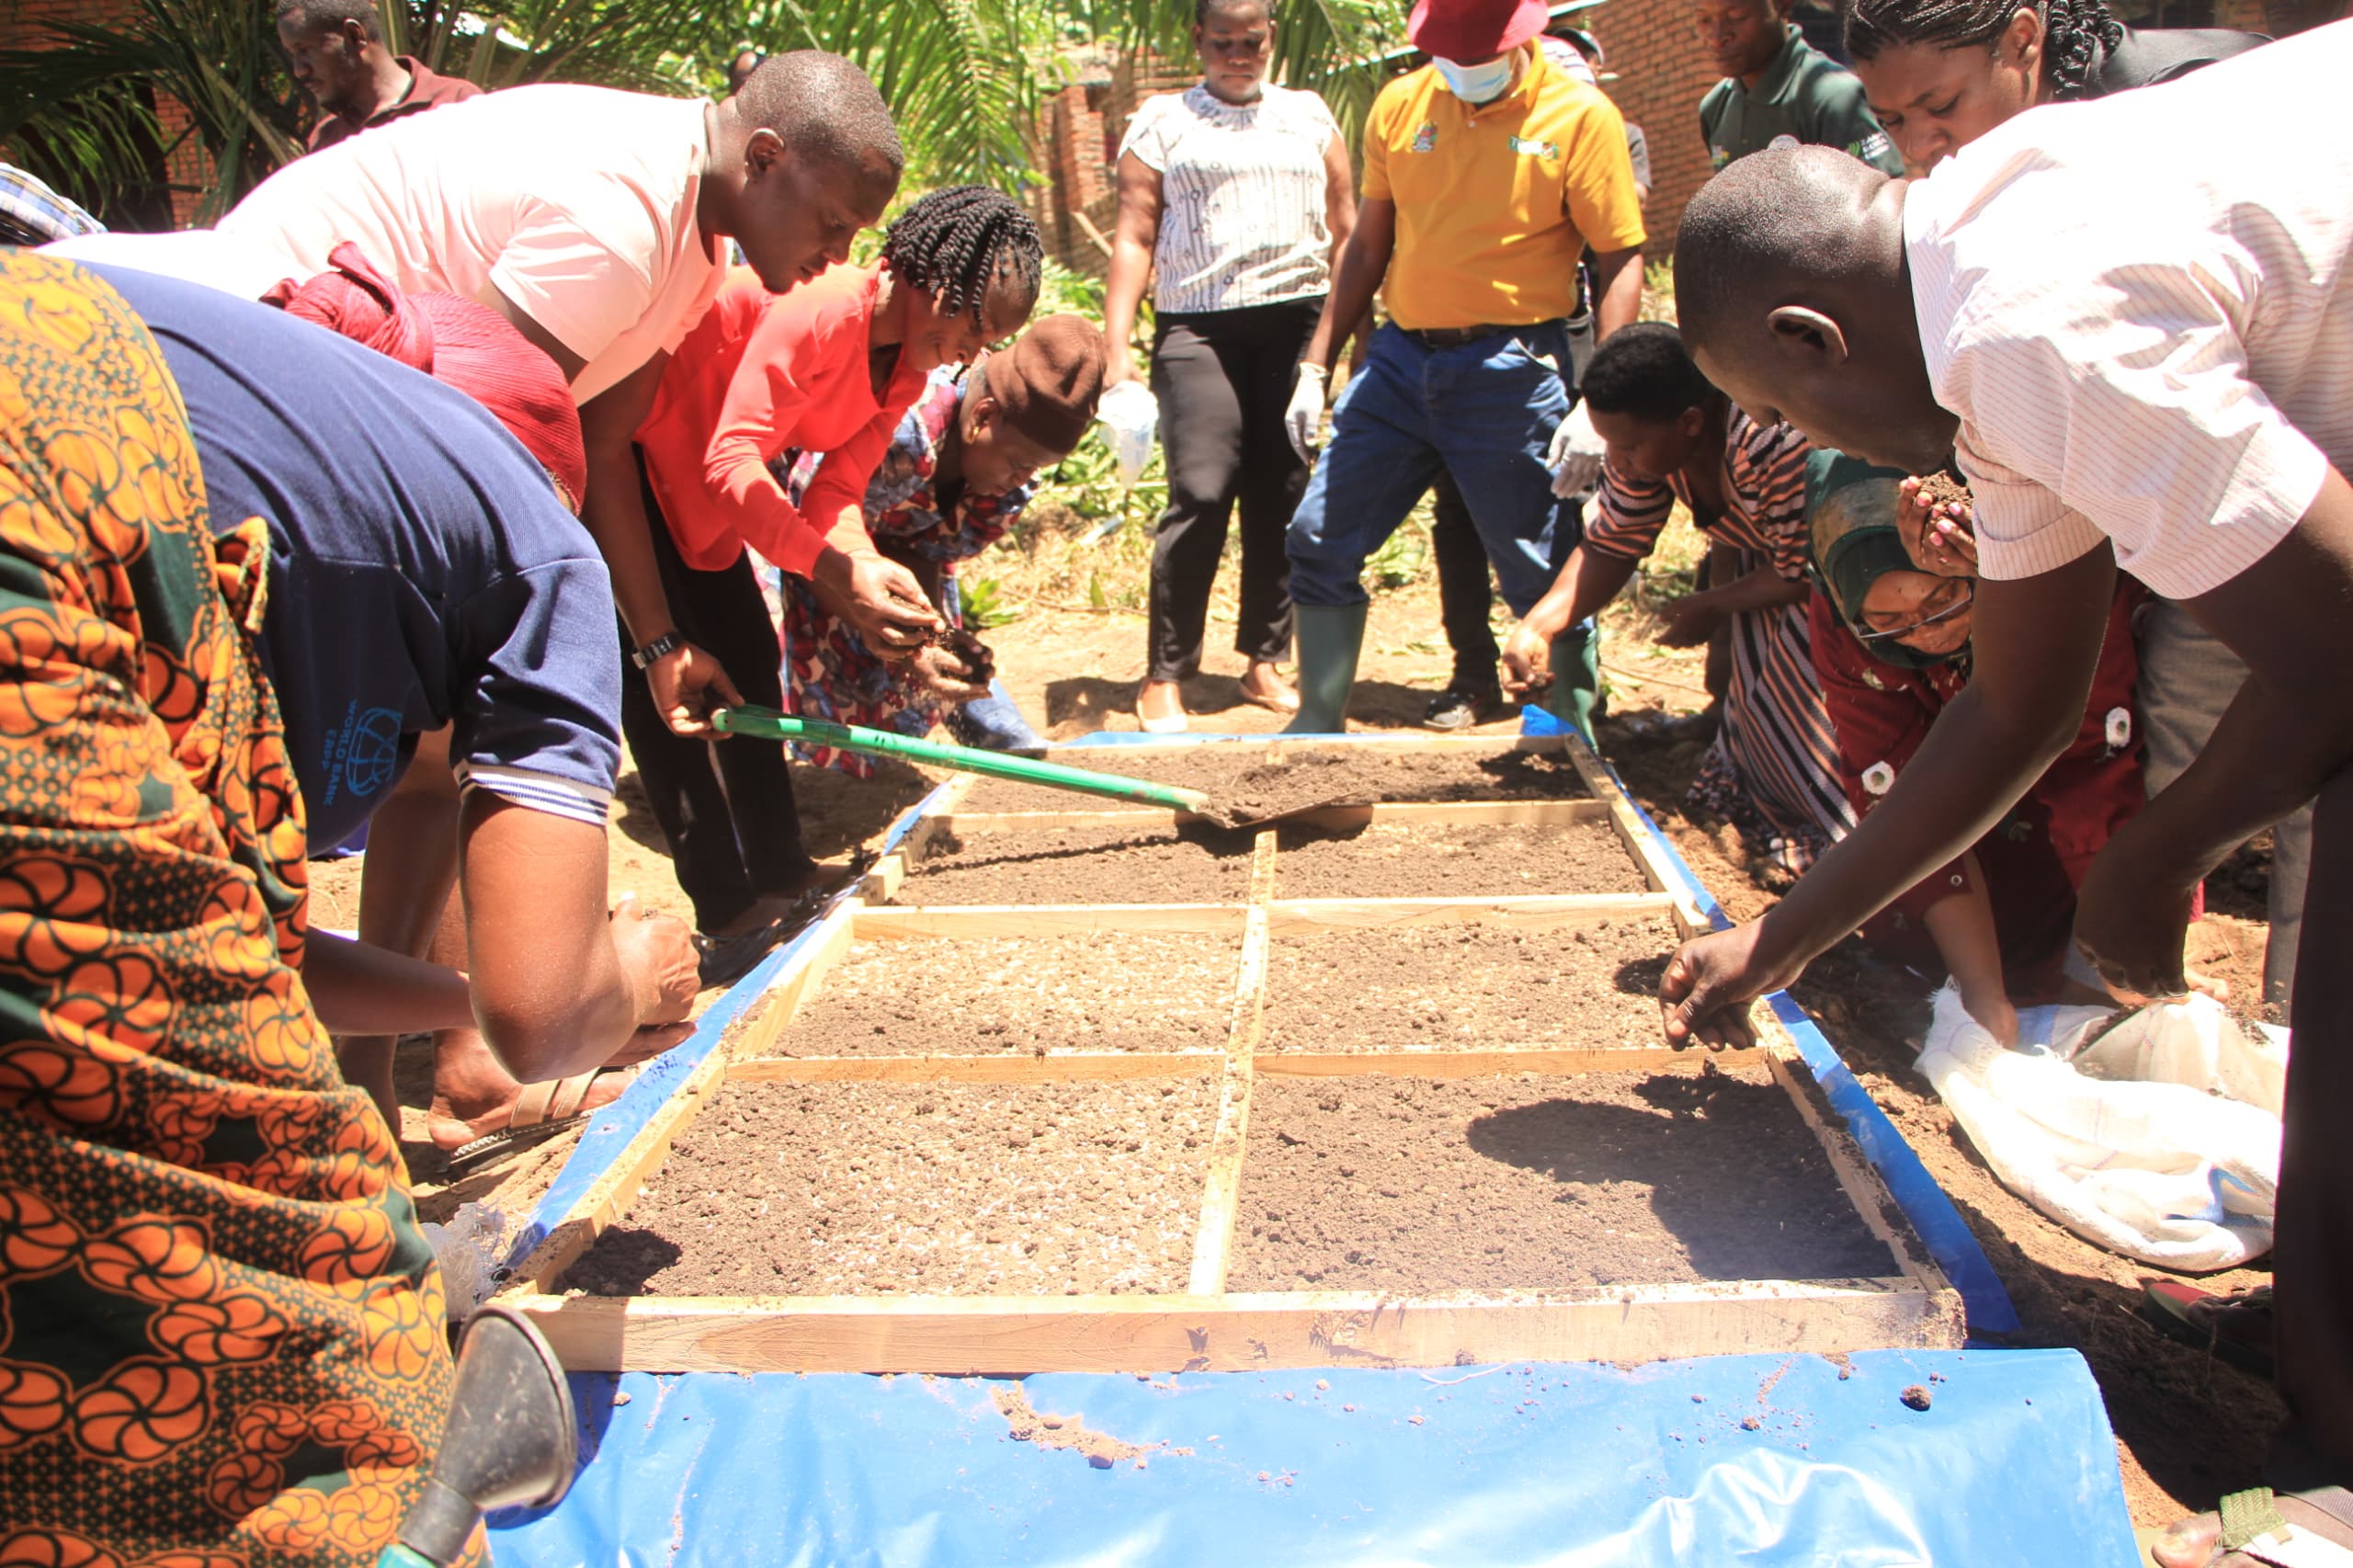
(1941,489)
(874,1188)
(1244,776)
(1466,987)
(1106,990)
(1083,865)
(1432,860)
(1541,1183)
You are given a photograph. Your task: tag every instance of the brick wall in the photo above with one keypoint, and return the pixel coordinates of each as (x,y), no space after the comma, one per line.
(1661,75)
(1085,123)
(22,25)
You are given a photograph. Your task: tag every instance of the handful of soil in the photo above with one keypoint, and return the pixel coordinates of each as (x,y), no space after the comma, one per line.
(1941,489)
(978,659)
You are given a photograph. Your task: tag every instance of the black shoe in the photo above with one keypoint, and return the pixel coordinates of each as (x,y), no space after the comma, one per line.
(1458,707)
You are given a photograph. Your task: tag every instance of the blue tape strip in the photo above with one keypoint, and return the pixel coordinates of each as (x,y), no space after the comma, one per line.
(1934,1219)
(610,1128)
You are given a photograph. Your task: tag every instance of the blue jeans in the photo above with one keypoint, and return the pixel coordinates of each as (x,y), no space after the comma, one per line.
(1484,412)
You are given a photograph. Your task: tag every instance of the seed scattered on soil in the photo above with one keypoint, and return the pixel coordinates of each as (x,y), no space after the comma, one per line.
(1450,860)
(1539,1182)
(1467,986)
(1105,990)
(1917,1396)
(1026,1425)
(882,1188)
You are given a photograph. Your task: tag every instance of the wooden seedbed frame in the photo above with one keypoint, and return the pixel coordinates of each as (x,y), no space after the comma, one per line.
(1207,1327)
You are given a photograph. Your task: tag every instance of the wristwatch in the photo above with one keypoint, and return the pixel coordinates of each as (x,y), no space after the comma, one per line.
(668,642)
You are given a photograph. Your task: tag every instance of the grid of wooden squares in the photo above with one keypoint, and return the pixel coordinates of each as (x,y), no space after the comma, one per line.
(1240,1105)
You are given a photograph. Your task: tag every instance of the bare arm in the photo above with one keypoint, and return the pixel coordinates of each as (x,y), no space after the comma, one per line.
(1588,580)
(2286,733)
(686,681)
(1963,927)
(1364,262)
(1694,616)
(1340,219)
(361,990)
(549,990)
(1618,280)
(2037,642)
(1136,231)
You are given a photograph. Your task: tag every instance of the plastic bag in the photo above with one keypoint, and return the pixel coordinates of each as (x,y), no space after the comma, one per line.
(2159,1139)
(1130,417)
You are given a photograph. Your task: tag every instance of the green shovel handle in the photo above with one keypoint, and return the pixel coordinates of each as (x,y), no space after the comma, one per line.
(771,725)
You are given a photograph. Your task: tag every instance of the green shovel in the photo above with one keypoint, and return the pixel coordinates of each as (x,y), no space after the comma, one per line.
(770,725)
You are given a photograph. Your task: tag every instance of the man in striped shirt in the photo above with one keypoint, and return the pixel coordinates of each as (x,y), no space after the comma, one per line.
(2133,321)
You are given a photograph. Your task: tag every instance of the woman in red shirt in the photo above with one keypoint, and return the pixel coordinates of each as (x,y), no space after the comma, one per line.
(1891,645)
(830,367)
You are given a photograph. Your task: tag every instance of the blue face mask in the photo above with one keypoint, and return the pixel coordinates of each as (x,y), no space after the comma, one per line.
(1476,84)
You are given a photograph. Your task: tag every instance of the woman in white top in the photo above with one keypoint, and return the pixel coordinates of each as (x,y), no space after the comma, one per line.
(1238,195)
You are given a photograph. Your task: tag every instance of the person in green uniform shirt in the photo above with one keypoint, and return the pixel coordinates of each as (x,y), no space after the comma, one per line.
(1779,91)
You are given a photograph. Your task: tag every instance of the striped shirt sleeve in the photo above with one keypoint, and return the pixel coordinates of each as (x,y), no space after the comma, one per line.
(538,792)
(1767,465)
(1628,513)
(2127,411)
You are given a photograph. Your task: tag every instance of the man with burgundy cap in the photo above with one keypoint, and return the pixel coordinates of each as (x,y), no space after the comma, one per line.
(1486,174)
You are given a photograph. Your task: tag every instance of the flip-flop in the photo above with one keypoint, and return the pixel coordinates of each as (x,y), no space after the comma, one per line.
(542,1111)
(2254,1526)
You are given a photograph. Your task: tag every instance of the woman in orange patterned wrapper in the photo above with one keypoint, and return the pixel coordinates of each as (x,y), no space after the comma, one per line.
(221,1329)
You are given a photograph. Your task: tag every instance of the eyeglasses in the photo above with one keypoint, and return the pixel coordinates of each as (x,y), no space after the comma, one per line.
(1968,597)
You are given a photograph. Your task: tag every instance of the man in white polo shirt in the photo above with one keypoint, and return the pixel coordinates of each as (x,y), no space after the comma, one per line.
(2132,320)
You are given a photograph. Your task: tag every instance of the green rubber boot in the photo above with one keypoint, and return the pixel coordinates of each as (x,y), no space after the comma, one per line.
(1576,677)
(1330,637)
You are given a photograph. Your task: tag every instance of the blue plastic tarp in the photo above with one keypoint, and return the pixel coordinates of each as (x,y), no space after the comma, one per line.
(1579,1466)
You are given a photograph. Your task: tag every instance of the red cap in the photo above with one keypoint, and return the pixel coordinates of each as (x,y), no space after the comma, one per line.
(1475,30)
(458,343)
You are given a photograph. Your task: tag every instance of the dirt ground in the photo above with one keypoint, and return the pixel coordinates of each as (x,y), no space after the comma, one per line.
(2187,1428)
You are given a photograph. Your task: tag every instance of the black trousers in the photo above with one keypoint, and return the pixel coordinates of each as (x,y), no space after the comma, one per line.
(2311,1252)
(1223,379)
(725,807)
(1464,598)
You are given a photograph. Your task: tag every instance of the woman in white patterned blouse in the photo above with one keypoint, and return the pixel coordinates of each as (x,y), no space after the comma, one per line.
(1237,194)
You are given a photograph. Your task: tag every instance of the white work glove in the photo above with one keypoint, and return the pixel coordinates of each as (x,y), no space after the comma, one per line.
(1576,456)
(1304,419)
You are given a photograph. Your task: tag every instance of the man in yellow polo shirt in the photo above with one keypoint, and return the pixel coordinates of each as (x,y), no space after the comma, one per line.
(1485,174)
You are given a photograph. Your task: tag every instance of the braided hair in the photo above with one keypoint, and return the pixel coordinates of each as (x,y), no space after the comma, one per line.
(2074,32)
(956,242)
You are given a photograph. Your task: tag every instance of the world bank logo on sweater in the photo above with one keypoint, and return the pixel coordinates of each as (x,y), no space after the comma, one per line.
(364,752)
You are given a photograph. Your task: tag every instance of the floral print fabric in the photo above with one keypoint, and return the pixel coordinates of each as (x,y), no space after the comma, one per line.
(222,1333)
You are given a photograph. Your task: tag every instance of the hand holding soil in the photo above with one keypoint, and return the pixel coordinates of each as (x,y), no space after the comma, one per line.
(956,665)
(1527,662)
(1936,519)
